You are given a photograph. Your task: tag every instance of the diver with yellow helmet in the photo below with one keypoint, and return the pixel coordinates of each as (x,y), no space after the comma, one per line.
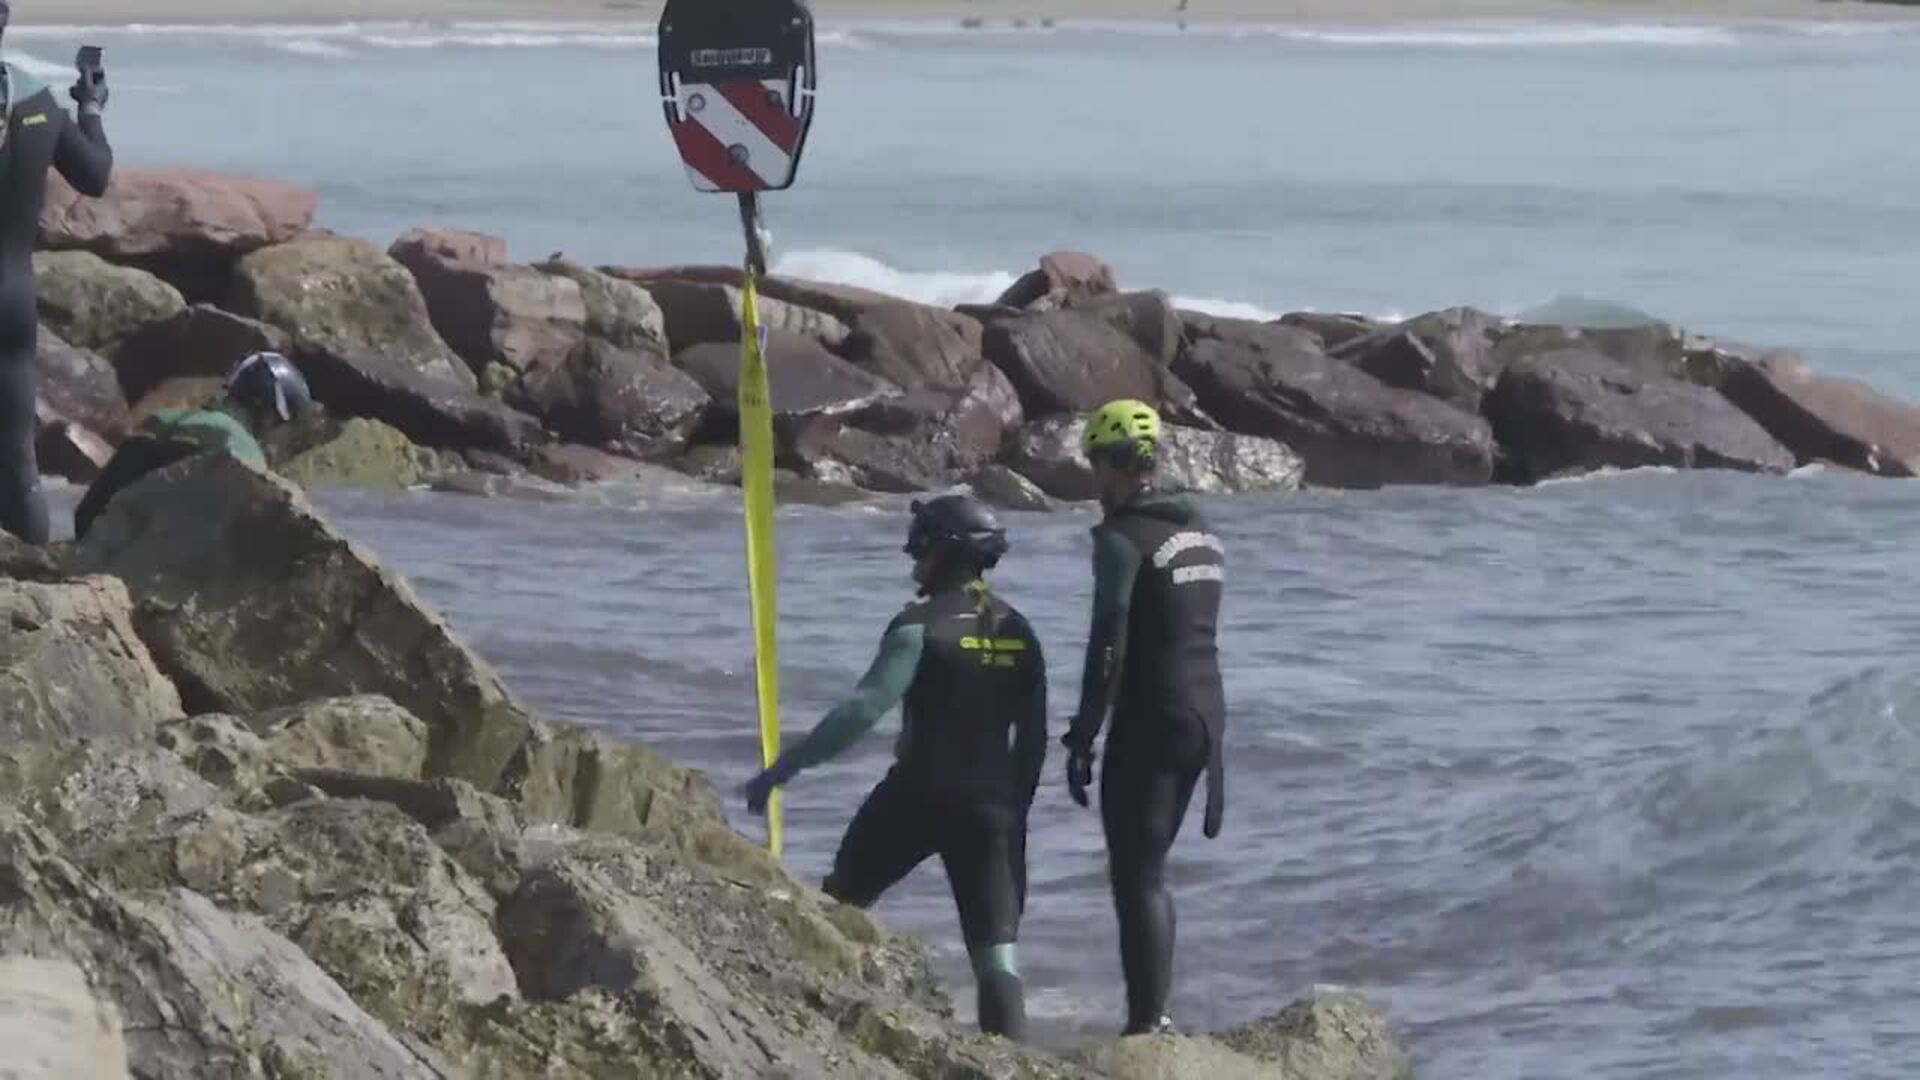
(1151,663)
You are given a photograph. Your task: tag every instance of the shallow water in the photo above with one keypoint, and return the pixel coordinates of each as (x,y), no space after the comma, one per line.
(1618,772)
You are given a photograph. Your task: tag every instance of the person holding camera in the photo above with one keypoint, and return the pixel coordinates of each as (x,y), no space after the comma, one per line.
(36,134)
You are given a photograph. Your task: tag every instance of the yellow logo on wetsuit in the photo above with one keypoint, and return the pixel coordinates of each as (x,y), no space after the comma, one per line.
(995,652)
(33,118)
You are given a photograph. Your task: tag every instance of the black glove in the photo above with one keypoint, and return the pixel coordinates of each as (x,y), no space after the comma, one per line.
(90,90)
(760,789)
(1079,774)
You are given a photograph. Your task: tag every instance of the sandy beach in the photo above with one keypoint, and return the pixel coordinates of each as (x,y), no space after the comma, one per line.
(121,12)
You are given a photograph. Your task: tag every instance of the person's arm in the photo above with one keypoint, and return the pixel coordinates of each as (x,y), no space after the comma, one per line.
(136,456)
(81,152)
(1030,736)
(884,684)
(1115,563)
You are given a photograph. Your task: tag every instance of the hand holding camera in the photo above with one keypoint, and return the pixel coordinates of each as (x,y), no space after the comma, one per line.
(90,90)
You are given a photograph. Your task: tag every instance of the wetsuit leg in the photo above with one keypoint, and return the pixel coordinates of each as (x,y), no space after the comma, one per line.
(978,851)
(23,506)
(888,836)
(1142,805)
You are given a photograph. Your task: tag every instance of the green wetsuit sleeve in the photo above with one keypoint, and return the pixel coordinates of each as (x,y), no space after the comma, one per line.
(884,684)
(1030,736)
(1115,564)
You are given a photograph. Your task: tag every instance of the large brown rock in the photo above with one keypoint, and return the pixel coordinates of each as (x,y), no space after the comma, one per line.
(201,992)
(568,930)
(843,302)
(367,734)
(430,410)
(801,375)
(358,885)
(357,453)
(1047,452)
(1578,410)
(71,664)
(915,345)
(78,386)
(1334,329)
(93,303)
(1400,359)
(199,342)
(342,298)
(1352,430)
(1453,355)
(591,782)
(1063,276)
(619,312)
(928,438)
(252,601)
(1825,418)
(418,246)
(705,313)
(1655,350)
(600,393)
(1325,1036)
(1075,361)
(52,1025)
(1148,317)
(490,311)
(187,225)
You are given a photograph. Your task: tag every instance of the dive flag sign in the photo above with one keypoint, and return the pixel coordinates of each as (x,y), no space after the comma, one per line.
(736,80)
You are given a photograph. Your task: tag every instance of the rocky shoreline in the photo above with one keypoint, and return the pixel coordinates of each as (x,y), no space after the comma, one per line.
(439,360)
(262,814)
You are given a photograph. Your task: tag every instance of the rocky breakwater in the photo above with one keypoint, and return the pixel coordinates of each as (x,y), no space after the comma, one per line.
(263,814)
(441,359)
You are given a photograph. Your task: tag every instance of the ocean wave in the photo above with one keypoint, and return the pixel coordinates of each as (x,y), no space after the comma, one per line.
(1608,472)
(1518,35)
(946,288)
(509,40)
(1447,34)
(33,65)
(338,39)
(313,47)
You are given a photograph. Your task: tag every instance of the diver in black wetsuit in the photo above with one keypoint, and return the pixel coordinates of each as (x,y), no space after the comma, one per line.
(1151,659)
(36,134)
(970,673)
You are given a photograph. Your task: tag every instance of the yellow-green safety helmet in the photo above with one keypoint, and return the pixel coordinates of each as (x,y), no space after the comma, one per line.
(1128,424)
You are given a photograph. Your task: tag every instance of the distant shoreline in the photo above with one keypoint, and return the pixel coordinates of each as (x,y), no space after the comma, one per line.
(108,13)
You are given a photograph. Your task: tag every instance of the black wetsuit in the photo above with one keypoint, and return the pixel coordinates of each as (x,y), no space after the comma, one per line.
(1151,658)
(972,741)
(39,134)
